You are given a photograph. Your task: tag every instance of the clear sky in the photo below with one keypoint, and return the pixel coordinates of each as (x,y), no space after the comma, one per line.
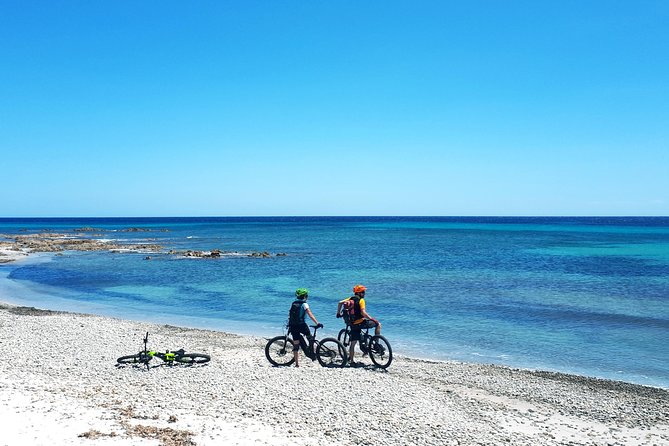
(244,108)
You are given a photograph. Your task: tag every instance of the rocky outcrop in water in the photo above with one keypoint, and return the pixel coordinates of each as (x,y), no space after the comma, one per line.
(13,246)
(217,253)
(58,242)
(143,230)
(98,230)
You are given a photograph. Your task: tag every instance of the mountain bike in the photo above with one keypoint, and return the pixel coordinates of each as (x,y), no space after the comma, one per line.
(329,351)
(376,346)
(170,357)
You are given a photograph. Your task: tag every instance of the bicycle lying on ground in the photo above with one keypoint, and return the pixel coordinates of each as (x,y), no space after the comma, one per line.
(376,346)
(329,351)
(170,357)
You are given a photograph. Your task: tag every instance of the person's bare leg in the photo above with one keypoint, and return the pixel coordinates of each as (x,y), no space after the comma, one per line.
(351,351)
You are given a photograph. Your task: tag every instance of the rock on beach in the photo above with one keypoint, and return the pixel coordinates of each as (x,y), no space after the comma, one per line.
(62,386)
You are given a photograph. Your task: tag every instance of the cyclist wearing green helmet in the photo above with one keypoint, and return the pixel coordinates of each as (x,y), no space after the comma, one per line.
(297,325)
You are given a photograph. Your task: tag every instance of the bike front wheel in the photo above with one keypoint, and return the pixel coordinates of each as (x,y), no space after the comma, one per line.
(192,358)
(139,358)
(380,351)
(279,351)
(331,353)
(344,336)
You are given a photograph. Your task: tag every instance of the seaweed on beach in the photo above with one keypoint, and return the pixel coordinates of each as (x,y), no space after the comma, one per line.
(94,434)
(165,435)
(28,311)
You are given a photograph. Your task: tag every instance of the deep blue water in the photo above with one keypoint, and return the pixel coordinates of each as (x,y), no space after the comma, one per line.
(580,295)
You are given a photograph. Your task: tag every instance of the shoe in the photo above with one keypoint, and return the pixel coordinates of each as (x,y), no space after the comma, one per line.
(380,349)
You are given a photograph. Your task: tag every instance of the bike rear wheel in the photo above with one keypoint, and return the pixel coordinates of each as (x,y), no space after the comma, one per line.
(380,351)
(331,353)
(279,351)
(138,358)
(344,336)
(192,358)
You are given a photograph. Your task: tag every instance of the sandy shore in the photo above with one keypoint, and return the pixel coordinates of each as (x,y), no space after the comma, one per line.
(59,385)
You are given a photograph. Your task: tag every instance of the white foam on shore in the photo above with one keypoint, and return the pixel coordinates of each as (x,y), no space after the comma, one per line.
(12,255)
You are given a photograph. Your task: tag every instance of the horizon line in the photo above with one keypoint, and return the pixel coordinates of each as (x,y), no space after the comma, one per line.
(331,216)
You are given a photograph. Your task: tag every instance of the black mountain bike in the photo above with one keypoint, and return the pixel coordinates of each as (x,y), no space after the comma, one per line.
(376,346)
(170,357)
(329,351)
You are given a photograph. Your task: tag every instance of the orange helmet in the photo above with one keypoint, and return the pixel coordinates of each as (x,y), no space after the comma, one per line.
(359,289)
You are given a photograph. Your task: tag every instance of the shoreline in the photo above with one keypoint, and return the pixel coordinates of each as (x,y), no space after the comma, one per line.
(243,330)
(63,387)
(12,253)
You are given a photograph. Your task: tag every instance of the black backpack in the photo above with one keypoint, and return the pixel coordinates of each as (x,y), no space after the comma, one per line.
(294,313)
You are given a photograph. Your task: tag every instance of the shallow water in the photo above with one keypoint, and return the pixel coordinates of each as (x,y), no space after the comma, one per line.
(580,295)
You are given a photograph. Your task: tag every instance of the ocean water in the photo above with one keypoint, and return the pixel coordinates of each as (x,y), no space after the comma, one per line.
(580,295)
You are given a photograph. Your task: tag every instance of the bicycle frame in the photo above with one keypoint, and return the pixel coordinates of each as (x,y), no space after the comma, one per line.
(365,337)
(303,343)
(168,356)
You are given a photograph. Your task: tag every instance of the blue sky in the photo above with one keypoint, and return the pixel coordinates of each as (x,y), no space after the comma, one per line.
(218,108)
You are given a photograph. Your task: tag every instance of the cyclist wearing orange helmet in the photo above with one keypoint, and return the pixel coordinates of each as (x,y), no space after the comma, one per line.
(361,318)
(359,289)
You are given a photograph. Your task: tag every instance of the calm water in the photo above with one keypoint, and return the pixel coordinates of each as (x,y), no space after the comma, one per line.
(580,295)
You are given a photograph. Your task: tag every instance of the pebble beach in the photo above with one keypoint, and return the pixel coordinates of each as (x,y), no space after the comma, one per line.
(60,385)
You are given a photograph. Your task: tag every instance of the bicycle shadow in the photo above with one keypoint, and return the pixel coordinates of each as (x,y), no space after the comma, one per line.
(364,366)
(154,366)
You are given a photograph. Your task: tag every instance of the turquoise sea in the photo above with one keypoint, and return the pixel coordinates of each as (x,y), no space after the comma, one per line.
(581,295)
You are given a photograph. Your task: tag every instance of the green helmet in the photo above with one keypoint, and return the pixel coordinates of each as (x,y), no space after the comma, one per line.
(302,293)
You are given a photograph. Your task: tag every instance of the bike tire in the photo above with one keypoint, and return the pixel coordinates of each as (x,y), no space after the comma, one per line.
(279,351)
(380,351)
(344,336)
(192,358)
(134,359)
(331,353)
